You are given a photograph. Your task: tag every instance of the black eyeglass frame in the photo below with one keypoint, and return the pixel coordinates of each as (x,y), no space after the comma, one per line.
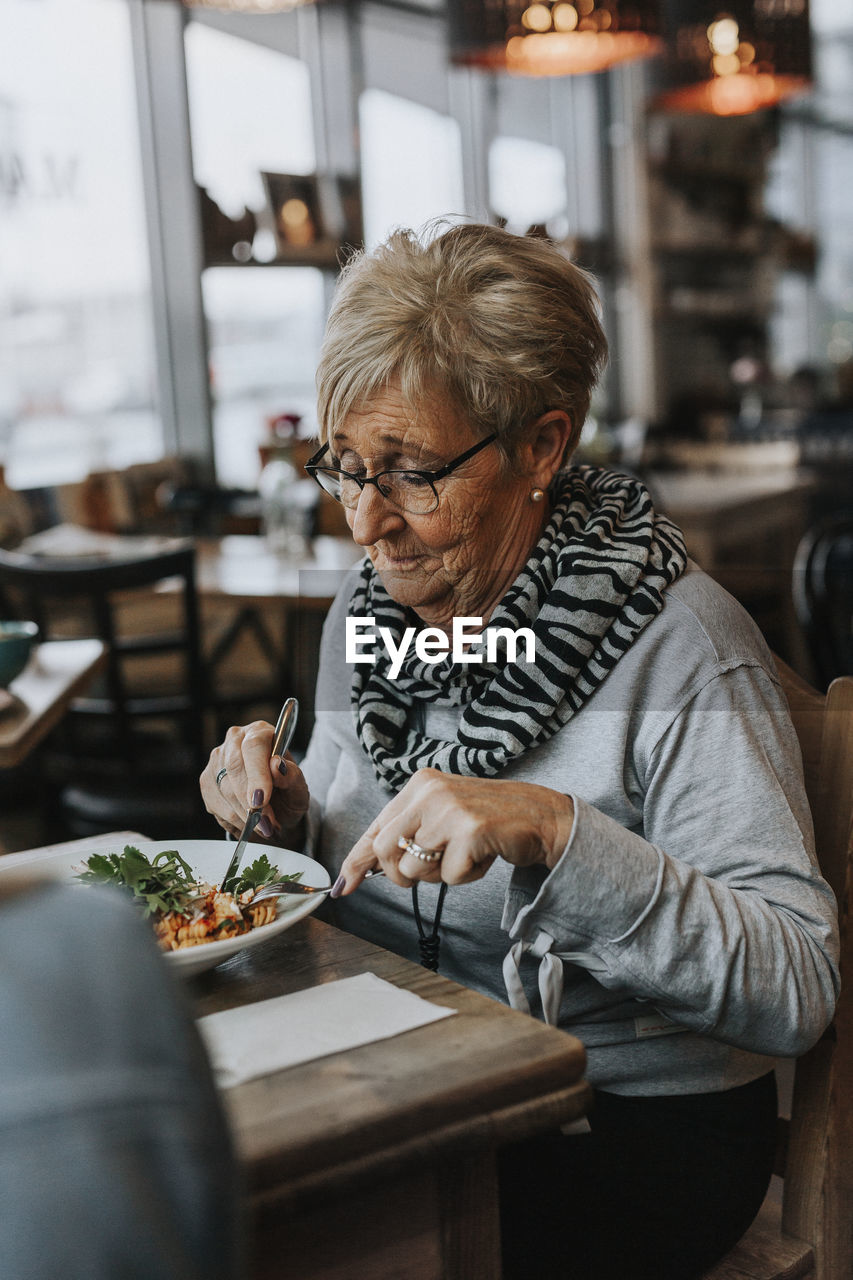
(429,476)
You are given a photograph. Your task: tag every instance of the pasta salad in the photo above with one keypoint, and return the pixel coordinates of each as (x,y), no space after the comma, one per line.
(186,911)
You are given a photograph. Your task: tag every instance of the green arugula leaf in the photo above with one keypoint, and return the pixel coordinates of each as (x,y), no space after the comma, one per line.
(103,867)
(256,874)
(166,884)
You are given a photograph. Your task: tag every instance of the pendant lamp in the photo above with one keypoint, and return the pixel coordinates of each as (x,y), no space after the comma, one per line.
(731,57)
(552,39)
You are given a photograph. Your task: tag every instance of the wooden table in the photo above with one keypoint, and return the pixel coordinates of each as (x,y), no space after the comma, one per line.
(379,1163)
(57,672)
(743,529)
(730,519)
(242,567)
(262,610)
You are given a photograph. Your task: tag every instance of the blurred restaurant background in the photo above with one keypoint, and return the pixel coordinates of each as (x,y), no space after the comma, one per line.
(180,182)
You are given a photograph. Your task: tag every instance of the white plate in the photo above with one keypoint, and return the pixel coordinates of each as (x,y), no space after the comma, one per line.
(209,859)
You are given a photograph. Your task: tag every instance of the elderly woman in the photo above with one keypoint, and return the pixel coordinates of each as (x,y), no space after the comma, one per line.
(565,746)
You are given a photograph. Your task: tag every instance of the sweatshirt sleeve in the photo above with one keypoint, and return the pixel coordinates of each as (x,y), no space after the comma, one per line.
(318,767)
(716,913)
(331,705)
(321,759)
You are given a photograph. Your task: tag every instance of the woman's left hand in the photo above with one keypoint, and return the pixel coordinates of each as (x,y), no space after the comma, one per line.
(471,821)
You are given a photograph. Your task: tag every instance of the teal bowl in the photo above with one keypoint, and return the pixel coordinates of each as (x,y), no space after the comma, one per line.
(16,641)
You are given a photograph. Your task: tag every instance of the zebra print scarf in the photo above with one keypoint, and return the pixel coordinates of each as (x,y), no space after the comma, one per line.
(594,580)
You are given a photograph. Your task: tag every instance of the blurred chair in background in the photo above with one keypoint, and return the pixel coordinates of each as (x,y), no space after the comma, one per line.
(124,500)
(127,500)
(129,755)
(823,595)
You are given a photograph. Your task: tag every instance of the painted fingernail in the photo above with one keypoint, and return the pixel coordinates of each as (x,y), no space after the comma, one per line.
(338,887)
(257,798)
(282,765)
(263,828)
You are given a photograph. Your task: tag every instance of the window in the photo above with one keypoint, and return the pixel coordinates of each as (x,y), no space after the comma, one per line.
(527,182)
(411,159)
(265,326)
(250,112)
(77,376)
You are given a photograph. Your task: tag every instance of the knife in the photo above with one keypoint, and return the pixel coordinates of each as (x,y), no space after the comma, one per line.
(285,727)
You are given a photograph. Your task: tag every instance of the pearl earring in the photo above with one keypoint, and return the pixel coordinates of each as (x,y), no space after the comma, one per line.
(536,495)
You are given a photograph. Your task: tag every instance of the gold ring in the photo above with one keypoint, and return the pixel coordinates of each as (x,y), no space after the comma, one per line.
(424,855)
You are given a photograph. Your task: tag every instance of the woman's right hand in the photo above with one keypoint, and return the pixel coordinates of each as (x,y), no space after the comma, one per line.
(250,778)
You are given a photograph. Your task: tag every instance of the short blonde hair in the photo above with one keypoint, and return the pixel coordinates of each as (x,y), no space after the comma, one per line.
(505,325)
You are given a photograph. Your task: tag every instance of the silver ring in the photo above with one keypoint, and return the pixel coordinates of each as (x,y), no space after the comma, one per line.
(424,855)
(219,777)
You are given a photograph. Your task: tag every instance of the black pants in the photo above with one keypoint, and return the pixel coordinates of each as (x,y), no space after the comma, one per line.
(659,1190)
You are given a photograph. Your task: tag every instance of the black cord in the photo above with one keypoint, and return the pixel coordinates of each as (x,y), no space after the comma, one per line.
(428,943)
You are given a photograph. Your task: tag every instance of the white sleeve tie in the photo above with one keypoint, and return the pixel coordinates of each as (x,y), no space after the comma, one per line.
(550,976)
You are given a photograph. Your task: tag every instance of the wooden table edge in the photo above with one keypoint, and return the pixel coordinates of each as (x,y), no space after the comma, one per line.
(42,724)
(473,1136)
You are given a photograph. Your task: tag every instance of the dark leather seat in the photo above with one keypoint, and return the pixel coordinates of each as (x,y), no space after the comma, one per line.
(823,595)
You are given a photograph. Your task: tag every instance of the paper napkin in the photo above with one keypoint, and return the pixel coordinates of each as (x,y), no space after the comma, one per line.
(258,1039)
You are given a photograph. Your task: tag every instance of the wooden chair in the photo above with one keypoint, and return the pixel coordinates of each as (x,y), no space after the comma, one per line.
(131,753)
(810,1234)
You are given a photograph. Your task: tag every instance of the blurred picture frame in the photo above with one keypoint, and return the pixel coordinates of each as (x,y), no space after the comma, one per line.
(294,202)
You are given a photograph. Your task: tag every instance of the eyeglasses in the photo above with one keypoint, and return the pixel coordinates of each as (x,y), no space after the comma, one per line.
(411,491)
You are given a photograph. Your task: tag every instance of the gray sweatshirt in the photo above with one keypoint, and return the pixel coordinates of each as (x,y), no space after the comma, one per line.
(685,935)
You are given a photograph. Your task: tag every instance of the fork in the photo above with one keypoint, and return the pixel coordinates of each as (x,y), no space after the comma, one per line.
(282,736)
(277,888)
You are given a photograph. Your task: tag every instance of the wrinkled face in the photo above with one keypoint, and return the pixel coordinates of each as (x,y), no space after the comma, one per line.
(459,559)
